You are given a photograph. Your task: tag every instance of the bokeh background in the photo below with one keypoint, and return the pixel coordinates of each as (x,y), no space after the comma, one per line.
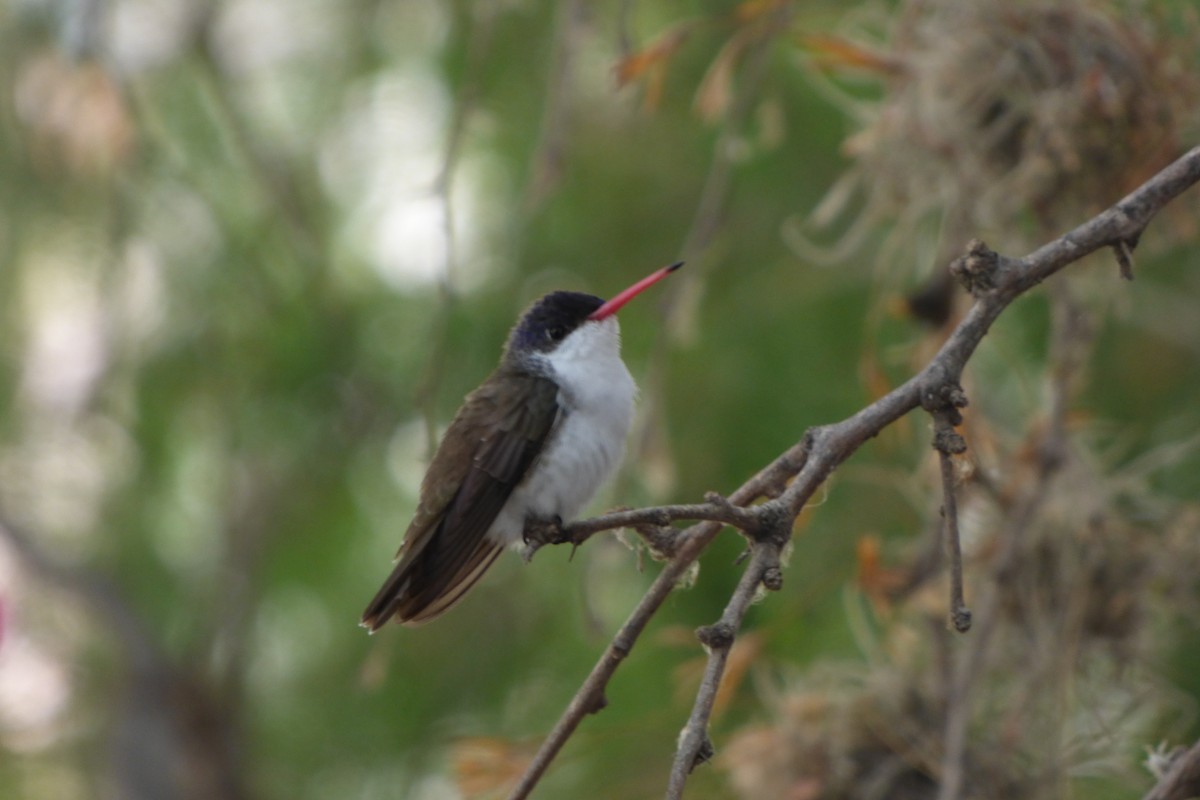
(254,252)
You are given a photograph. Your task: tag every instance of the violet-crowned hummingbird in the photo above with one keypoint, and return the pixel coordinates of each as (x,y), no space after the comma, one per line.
(532,443)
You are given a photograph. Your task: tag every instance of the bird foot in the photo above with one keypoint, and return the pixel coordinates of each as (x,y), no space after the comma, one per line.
(541,532)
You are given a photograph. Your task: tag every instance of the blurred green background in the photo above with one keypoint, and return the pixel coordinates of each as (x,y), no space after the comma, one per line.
(254,252)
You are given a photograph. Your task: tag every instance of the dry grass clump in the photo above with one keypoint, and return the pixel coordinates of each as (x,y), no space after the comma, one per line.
(1024,116)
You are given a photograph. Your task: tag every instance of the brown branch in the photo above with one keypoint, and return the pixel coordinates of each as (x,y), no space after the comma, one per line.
(1065,355)
(960,615)
(995,281)
(764,569)
(1019,519)
(649,522)
(948,444)
(691,542)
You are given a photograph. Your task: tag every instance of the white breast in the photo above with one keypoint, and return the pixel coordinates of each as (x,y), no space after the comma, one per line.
(596,394)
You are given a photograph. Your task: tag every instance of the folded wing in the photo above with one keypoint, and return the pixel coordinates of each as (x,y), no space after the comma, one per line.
(485,454)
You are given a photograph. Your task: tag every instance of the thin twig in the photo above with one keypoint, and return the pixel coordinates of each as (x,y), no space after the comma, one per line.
(969,668)
(695,747)
(692,541)
(1067,343)
(576,533)
(949,443)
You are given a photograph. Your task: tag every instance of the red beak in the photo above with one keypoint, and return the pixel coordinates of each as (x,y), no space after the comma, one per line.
(614,305)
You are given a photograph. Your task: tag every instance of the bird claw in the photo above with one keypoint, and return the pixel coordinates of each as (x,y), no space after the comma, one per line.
(541,532)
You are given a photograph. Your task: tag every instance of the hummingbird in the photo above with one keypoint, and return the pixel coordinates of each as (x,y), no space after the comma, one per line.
(532,444)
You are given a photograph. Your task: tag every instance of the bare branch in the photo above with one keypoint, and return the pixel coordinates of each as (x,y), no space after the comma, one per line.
(692,541)
(764,569)
(948,443)
(995,281)
(655,518)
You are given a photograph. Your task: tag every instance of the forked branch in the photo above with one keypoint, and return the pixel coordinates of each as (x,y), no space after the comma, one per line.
(790,481)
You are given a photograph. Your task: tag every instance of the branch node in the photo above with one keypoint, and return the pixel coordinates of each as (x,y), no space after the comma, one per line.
(773,525)
(662,519)
(717,499)
(663,540)
(960,618)
(718,636)
(704,753)
(976,269)
(772,579)
(943,399)
(955,396)
(596,703)
(943,395)
(949,441)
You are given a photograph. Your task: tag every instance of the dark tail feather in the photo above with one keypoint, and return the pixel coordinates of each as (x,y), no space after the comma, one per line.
(425,586)
(388,598)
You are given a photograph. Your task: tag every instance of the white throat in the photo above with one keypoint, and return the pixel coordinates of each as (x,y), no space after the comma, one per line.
(595,396)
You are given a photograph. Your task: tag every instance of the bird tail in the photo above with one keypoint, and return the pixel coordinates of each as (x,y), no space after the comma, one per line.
(423,586)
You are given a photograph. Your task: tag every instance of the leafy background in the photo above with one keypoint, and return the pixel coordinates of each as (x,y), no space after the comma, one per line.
(255,252)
